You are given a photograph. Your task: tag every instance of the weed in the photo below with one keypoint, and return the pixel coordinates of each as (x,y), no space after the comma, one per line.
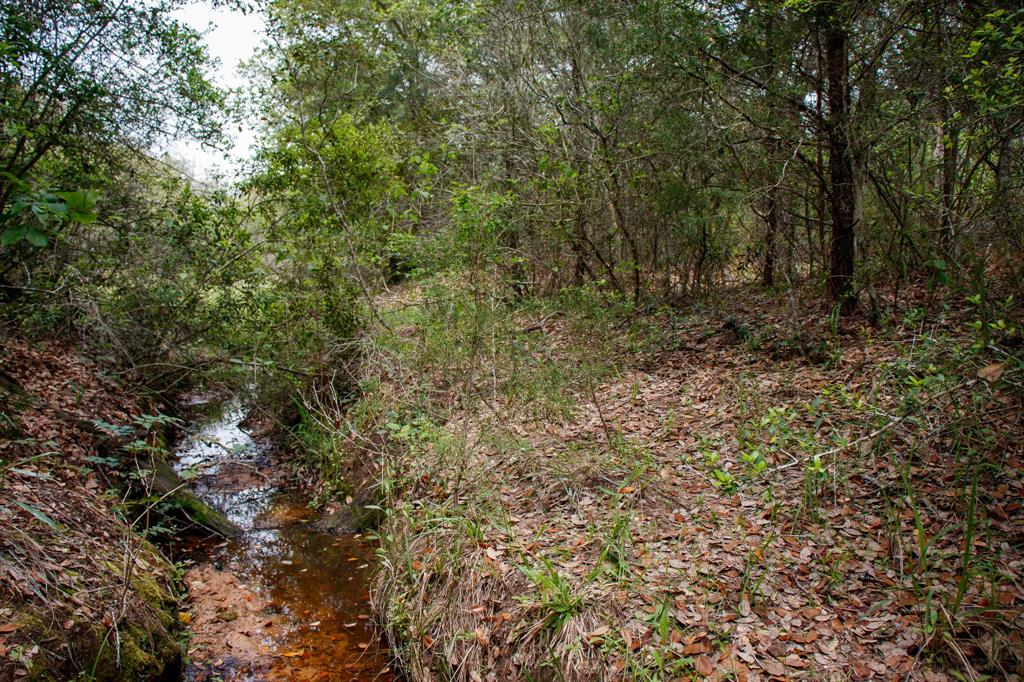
(557,598)
(614,557)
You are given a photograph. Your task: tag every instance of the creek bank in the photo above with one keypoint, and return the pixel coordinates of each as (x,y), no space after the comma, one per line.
(282,600)
(80,590)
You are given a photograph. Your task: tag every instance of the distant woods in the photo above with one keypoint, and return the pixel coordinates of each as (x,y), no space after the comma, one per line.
(665,148)
(655,150)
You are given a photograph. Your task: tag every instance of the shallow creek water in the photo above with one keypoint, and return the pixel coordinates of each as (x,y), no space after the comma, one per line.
(282,601)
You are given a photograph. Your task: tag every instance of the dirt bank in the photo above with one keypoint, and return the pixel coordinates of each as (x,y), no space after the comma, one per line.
(80,591)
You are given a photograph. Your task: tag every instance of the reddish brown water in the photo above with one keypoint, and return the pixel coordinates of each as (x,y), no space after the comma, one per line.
(282,601)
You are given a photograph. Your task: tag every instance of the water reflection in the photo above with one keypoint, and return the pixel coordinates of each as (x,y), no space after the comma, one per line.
(315,584)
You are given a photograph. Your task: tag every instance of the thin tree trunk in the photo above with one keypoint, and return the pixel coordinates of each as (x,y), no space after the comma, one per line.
(950,142)
(771,232)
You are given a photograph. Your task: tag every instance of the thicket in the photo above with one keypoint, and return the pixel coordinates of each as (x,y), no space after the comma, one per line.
(105,242)
(665,149)
(659,150)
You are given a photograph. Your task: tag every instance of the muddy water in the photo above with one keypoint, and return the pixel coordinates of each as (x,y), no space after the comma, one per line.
(282,601)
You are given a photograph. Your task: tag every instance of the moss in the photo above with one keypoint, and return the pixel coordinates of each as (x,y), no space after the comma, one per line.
(158,597)
(149,649)
(146,654)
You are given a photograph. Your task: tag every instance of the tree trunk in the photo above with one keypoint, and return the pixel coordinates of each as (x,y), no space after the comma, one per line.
(771,232)
(950,141)
(840,163)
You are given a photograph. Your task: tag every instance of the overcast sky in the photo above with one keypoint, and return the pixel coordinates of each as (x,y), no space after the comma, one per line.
(232,38)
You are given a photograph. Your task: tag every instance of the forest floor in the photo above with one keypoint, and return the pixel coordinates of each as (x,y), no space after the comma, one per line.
(736,491)
(733,491)
(79,589)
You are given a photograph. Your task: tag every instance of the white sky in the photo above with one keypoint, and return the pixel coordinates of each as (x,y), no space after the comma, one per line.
(232,37)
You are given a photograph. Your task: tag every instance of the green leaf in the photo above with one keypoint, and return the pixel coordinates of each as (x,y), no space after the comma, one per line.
(81,205)
(39,515)
(12,235)
(36,238)
(106,461)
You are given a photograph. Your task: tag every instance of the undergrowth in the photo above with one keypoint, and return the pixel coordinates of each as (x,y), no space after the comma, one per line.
(481,411)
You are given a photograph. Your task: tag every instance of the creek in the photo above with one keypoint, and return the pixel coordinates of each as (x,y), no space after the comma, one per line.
(280,600)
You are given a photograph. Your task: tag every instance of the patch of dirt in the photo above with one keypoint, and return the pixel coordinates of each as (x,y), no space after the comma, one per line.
(229,623)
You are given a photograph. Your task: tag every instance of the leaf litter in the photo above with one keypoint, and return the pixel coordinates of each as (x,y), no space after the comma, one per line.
(680,521)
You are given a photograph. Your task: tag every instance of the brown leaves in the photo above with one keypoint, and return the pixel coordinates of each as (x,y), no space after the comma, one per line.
(992,372)
(793,584)
(772,667)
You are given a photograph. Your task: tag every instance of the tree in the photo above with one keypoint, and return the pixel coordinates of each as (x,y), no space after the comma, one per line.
(834,26)
(86,89)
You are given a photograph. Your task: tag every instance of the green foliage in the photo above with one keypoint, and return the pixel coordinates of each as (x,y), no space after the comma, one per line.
(995,62)
(47,211)
(557,599)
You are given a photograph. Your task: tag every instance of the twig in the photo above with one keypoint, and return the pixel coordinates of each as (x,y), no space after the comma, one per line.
(892,423)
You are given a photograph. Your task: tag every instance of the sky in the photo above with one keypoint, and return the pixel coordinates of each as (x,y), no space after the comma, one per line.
(232,37)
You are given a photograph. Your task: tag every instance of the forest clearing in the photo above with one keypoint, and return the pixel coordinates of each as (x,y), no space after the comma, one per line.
(655,340)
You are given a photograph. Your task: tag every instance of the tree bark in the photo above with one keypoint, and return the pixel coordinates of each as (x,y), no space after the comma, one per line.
(841,171)
(950,141)
(771,232)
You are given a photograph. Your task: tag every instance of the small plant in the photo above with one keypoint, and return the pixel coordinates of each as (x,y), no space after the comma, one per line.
(816,474)
(556,594)
(993,323)
(724,481)
(613,557)
(662,619)
(754,462)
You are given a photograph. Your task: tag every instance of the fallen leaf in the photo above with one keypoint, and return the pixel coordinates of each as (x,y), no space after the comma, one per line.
(794,661)
(772,667)
(692,648)
(992,372)
(703,665)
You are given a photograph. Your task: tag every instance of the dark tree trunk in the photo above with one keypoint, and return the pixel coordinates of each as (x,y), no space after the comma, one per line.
(770,237)
(821,198)
(840,163)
